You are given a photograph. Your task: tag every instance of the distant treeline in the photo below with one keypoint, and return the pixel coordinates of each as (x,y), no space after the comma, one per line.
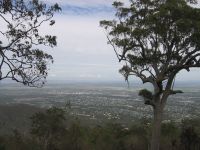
(50,130)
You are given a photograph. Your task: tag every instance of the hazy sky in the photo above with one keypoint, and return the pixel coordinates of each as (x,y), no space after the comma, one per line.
(82,52)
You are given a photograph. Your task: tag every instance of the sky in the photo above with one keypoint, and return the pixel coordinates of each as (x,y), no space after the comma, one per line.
(82,53)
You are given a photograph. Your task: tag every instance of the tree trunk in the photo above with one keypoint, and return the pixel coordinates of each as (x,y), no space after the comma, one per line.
(156,130)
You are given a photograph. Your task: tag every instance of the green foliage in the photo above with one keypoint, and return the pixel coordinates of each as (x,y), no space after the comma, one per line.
(190,134)
(170,135)
(20,36)
(50,122)
(138,137)
(146,94)
(75,136)
(2,143)
(156,39)
(48,127)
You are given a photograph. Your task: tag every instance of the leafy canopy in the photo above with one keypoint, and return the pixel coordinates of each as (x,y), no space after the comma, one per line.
(156,39)
(20,58)
(46,124)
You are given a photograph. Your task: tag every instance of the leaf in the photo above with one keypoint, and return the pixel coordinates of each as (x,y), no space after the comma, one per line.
(52,22)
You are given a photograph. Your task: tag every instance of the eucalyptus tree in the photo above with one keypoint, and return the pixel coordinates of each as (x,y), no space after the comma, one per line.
(155,40)
(21,40)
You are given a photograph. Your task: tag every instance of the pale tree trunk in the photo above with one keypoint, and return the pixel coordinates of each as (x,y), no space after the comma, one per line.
(156,130)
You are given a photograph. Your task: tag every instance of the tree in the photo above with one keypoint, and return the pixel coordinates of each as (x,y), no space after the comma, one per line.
(156,39)
(49,127)
(20,58)
(190,134)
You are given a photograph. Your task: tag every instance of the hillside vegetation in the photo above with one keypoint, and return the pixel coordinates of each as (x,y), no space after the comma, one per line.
(53,130)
